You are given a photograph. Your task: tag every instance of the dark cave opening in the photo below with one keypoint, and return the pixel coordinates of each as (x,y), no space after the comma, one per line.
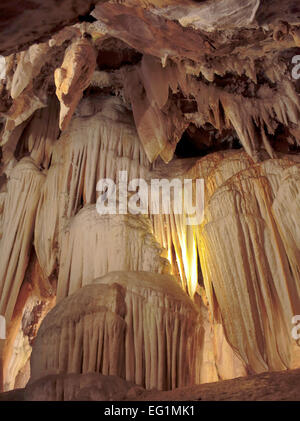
(198,142)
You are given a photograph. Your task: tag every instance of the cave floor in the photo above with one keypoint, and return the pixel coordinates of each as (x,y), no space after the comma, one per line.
(274,386)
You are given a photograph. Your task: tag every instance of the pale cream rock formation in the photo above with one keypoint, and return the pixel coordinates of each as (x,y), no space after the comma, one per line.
(73,77)
(171,230)
(35,298)
(23,192)
(235,234)
(32,301)
(28,67)
(218,360)
(2,68)
(214,15)
(126,237)
(286,207)
(100,142)
(137,325)
(22,108)
(241,249)
(221,69)
(148,91)
(20,356)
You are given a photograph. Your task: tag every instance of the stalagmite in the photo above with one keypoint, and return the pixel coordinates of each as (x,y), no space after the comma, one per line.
(136,325)
(73,77)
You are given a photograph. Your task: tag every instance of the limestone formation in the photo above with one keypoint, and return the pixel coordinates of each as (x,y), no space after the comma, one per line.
(134,325)
(97,95)
(73,77)
(23,189)
(127,236)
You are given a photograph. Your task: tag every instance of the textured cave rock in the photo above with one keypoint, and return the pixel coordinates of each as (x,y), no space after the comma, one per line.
(73,77)
(35,299)
(93,148)
(275,386)
(81,387)
(135,325)
(26,22)
(160,89)
(248,228)
(127,236)
(18,219)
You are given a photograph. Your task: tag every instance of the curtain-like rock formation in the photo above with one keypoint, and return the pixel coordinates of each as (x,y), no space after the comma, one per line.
(128,237)
(23,190)
(136,325)
(100,142)
(154,90)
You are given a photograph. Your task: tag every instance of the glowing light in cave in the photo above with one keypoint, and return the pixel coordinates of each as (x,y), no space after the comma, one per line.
(174,234)
(189,254)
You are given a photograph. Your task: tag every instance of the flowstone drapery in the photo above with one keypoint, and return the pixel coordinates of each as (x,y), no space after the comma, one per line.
(163,90)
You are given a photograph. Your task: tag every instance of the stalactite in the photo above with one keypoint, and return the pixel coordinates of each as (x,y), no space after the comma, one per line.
(160,125)
(73,77)
(29,65)
(22,108)
(147,88)
(41,133)
(245,115)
